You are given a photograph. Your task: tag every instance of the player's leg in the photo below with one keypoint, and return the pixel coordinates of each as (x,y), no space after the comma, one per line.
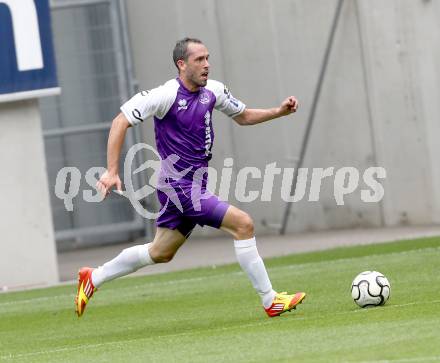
(164,246)
(240,225)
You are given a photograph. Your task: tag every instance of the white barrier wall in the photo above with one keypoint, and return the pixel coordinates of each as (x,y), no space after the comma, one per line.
(27,248)
(379,103)
(399,40)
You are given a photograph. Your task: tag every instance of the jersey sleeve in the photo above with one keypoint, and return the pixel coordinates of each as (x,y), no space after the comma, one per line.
(145,104)
(225,102)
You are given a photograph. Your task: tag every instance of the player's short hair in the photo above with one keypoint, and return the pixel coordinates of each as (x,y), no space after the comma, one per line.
(180,51)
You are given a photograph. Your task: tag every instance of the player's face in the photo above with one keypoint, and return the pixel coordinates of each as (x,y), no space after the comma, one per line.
(196,67)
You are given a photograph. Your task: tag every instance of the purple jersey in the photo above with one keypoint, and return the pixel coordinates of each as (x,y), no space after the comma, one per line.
(183,119)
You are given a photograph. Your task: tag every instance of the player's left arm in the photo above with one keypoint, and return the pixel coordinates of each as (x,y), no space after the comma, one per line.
(253,116)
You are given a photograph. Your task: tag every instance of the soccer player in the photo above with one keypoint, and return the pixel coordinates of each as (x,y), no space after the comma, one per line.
(182,110)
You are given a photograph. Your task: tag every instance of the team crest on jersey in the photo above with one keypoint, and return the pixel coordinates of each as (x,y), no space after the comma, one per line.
(182,105)
(204,99)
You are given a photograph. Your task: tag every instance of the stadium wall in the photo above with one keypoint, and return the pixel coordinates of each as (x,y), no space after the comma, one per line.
(378,105)
(28,254)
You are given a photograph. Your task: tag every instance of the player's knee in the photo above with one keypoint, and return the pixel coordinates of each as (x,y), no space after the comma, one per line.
(245,227)
(161,256)
(166,257)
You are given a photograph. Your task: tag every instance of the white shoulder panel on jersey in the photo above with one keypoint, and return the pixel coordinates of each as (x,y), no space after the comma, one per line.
(225,102)
(155,102)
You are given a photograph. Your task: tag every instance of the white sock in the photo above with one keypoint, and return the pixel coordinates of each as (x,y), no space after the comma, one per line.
(128,261)
(251,262)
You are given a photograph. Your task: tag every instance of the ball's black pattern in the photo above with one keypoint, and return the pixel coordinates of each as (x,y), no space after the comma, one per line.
(381,283)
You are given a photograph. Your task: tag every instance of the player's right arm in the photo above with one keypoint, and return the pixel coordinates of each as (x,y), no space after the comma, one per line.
(114,146)
(155,102)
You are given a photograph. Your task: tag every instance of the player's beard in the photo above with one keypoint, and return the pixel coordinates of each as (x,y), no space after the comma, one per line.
(197,80)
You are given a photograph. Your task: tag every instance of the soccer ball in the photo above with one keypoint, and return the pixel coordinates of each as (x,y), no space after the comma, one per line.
(370,288)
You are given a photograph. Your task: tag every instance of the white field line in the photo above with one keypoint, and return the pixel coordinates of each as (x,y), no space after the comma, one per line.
(121,289)
(123,343)
(203,278)
(431,358)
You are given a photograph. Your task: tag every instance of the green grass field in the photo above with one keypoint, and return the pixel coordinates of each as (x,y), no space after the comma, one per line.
(213,315)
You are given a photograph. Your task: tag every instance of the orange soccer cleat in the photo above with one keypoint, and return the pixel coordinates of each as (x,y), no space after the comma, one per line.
(85,290)
(283,302)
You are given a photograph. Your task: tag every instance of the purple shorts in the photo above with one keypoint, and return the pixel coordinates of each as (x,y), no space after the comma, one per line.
(209,210)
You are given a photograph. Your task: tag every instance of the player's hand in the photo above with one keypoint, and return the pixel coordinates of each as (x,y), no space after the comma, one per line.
(107,181)
(288,106)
